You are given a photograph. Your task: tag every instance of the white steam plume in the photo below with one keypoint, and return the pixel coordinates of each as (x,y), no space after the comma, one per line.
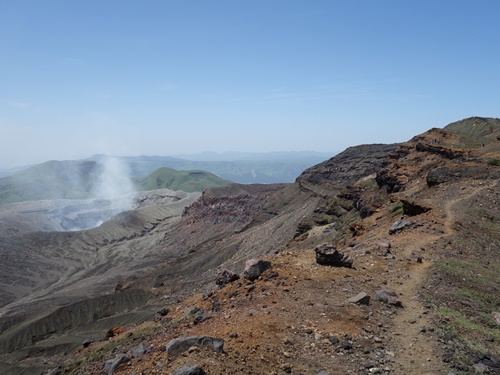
(114,183)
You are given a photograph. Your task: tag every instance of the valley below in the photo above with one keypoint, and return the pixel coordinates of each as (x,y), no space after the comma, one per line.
(84,290)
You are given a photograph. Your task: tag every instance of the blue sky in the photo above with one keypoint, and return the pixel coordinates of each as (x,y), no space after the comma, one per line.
(168,77)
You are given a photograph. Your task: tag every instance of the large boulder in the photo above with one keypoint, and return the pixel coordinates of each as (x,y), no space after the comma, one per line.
(181,344)
(328,255)
(255,267)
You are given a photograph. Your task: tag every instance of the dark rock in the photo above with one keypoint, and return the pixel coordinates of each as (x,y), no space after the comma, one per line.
(115,331)
(389,297)
(163,312)
(413,208)
(233,335)
(286,368)
(255,267)
(111,365)
(346,345)
(399,225)
(361,299)
(86,343)
(271,275)
(334,340)
(328,255)
(225,276)
(444,174)
(189,370)
(440,150)
(181,344)
(250,287)
(201,318)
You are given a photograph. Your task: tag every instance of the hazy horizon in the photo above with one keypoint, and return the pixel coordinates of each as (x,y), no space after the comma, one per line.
(169,78)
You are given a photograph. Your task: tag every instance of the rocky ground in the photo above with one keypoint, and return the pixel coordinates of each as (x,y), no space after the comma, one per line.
(414,291)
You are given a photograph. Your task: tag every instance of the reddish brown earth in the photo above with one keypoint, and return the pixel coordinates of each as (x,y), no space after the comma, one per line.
(444,269)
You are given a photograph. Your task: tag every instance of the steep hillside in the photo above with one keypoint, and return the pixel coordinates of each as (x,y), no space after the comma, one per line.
(419,221)
(188,181)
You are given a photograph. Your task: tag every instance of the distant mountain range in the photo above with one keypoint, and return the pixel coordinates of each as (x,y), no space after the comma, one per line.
(77,179)
(242,168)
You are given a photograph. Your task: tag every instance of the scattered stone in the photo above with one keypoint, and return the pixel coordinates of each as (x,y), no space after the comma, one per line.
(346,345)
(384,244)
(86,343)
(163,311)
(189,370)
(360,299)
(389,297)
(191,312)
(271,275)
(481,368)
(255,267)
(233,335)
(225,276)
(286,368)
(334,340)
(139,350)
(201,318)
(376,339)
(420,259)
(399,225)
(181,344)
(250,287)
(323,372)
(328,255)
(496,317)
(115,331)
(111,365)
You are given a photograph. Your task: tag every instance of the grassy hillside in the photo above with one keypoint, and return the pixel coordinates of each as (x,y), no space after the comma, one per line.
(50,180)
(188,181)
(475,131)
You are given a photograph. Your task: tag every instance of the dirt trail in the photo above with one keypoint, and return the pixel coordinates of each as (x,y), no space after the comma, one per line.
(417,351)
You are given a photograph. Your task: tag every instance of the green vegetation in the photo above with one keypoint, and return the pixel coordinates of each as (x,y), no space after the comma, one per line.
(475,131)
(189,181)
(467,329)
(495,162)
(397,208)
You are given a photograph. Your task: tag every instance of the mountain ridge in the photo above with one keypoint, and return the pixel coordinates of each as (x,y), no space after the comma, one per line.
(444,191)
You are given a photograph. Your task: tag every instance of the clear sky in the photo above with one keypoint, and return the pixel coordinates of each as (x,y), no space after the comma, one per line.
(166,77)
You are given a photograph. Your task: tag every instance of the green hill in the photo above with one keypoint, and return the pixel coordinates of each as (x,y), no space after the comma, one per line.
(476,131)
(188,181)
(50,180)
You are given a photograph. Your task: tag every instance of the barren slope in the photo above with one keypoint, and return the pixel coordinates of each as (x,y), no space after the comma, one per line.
(443,266)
